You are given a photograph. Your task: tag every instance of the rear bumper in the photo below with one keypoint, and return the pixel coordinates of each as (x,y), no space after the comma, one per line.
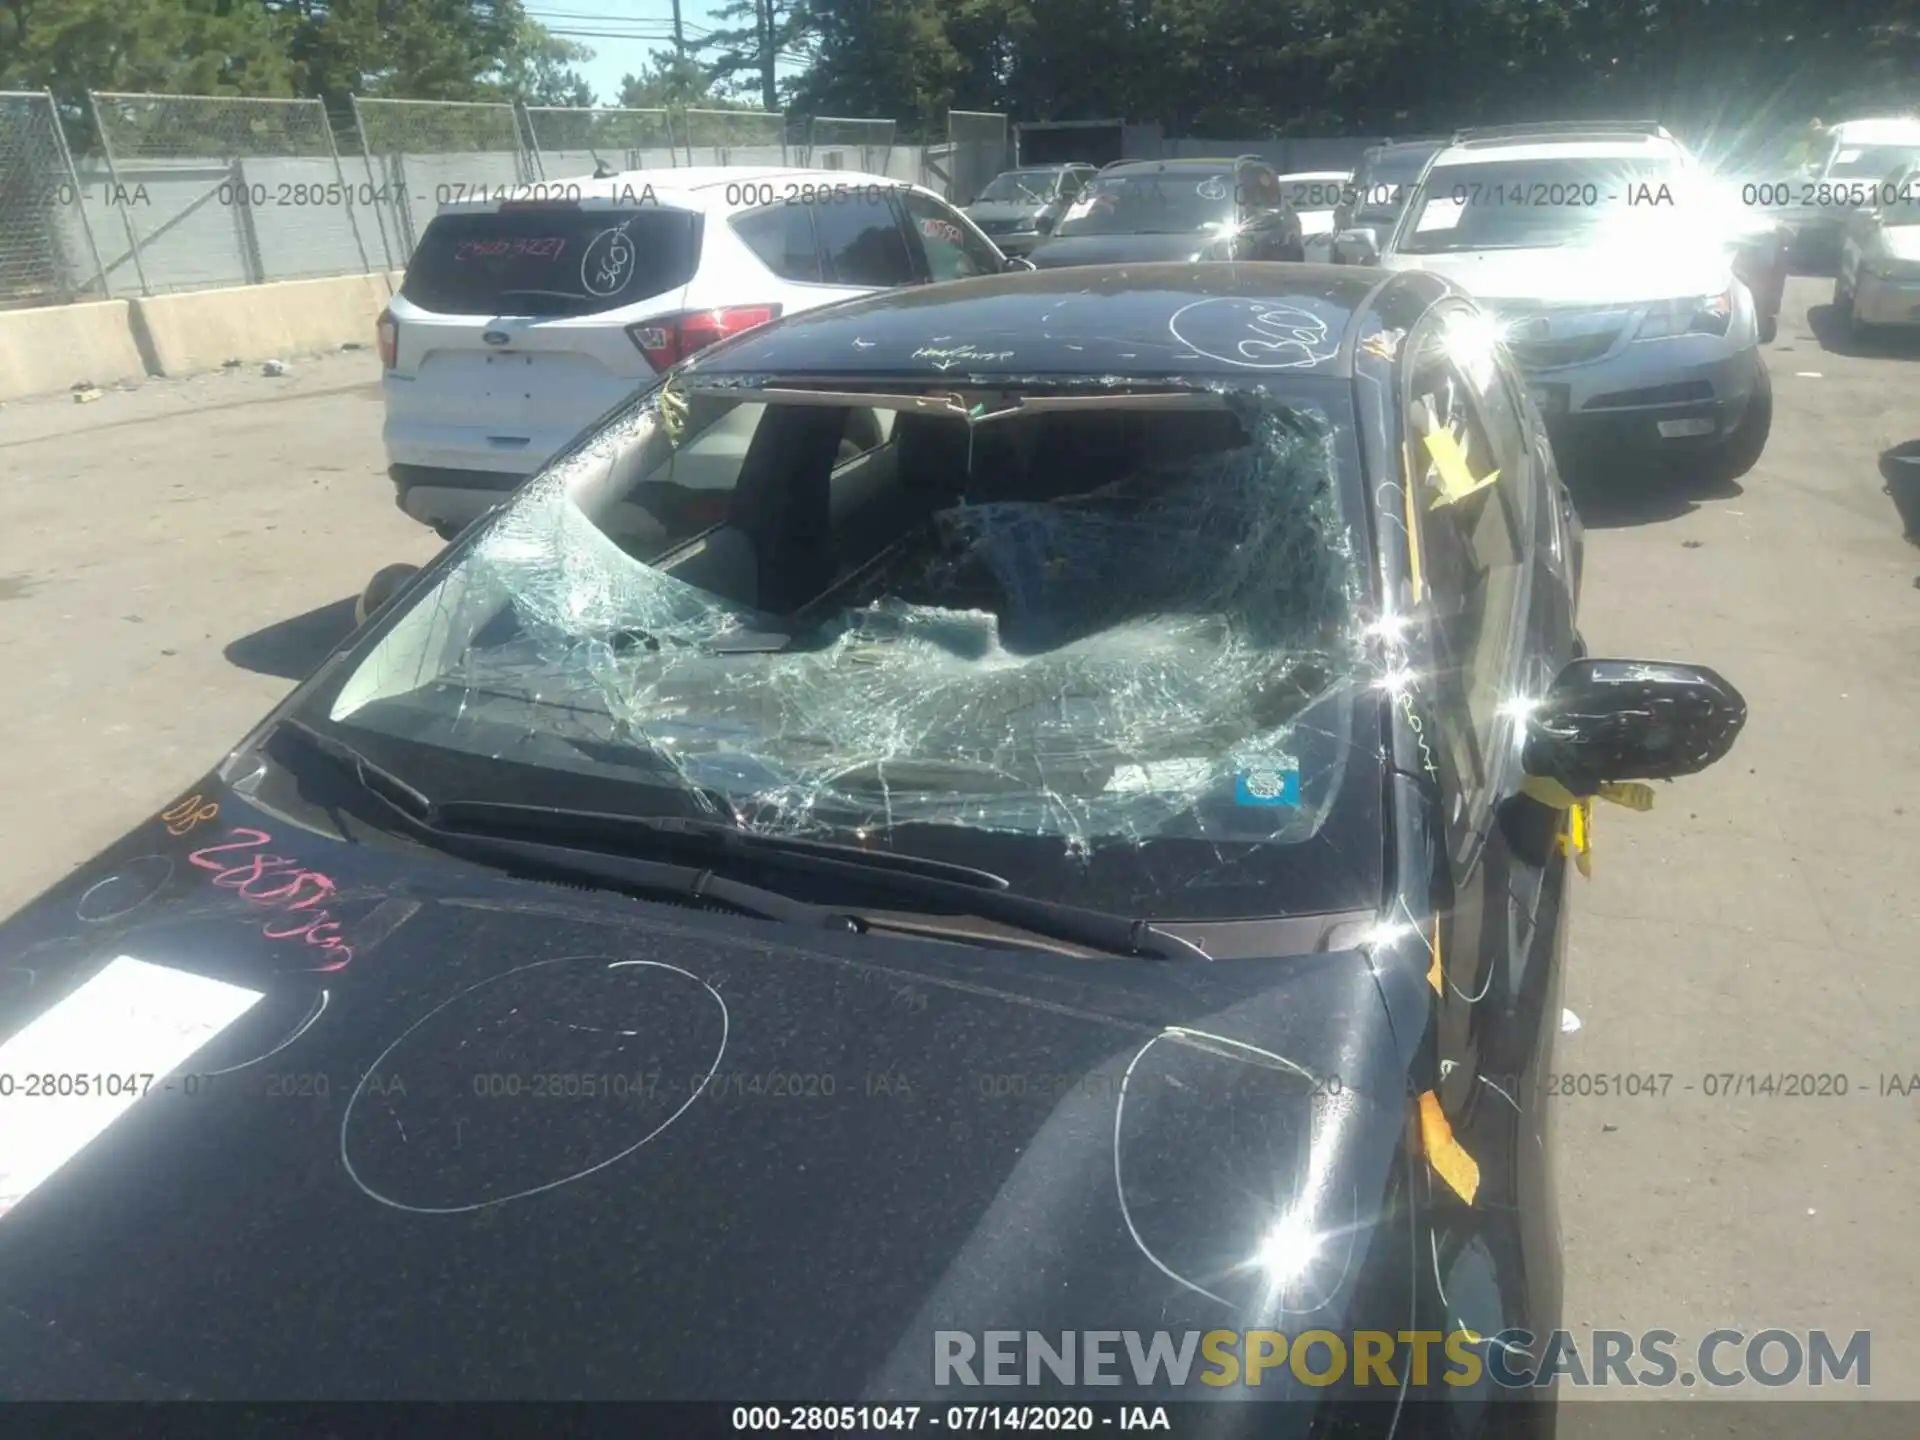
(450,499)
(470,447)
(1878,301)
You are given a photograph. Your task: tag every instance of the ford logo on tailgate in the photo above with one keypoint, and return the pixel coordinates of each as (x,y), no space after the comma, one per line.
(496,337)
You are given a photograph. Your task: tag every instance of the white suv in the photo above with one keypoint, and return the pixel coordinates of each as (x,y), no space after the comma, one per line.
(526,317)
(1599,249)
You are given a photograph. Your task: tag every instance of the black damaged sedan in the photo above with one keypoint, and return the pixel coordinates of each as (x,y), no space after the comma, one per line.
(766,911)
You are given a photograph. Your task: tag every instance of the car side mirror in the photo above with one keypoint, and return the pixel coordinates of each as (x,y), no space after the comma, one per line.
(1359,246)
(1622,720)
(1019,262)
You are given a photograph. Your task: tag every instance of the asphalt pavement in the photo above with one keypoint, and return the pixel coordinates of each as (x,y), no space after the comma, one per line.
(173,559)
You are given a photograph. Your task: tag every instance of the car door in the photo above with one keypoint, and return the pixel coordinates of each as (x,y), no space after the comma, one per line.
(1356,187)
(1270,230)
(1495,629)
(863,241)
(1490,631)
(1856,242)
(948,245)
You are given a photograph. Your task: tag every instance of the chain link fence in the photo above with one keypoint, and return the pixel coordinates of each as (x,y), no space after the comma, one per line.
(569,142)
(736,137)
(422,154)
(978,148)
(192,191)
(47,250)
(837,143)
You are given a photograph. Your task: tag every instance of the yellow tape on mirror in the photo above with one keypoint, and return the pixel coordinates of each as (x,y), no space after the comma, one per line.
(673,413)
(1579,837)
(1450,462)
(1449,1158)
(1631,793)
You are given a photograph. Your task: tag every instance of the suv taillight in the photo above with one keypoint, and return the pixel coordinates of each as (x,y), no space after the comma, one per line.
(388,330)
(672,338)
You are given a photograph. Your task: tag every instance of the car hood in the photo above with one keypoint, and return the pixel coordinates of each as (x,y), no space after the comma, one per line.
(1580,274)
(983,212)
(496,1139)
(1121,249)
(1899,242)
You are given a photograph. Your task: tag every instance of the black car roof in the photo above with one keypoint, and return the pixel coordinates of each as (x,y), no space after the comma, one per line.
(1184,162)
(1076,320)
(1398,146)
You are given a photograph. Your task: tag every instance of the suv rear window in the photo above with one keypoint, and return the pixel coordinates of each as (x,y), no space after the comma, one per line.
(553,261)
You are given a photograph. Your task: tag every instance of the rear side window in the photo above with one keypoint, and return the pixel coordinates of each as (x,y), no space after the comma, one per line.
(861,242)
(953,251)
(782,237)
(551,262)
(1260,190)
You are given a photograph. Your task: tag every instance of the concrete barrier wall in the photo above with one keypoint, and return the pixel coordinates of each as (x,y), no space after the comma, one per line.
(105,342)
(54,348)
(202,329)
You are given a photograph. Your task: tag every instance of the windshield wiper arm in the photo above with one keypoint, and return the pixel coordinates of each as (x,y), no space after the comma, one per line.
(909,878)
(714,837)
(417,815)
(381,783)
(954,889)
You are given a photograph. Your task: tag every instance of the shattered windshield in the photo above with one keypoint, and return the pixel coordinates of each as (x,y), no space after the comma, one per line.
(1382,188)
(1021,187)
(1532,204)
(1172,202)
(989,616)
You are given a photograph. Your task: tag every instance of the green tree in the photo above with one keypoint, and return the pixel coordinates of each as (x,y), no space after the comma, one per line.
(754,35)
(538,69)
(672,80)
(195,47)
(884,59)
(404,49)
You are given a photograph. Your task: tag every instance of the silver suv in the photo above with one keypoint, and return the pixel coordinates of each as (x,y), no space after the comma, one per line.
(1594,245)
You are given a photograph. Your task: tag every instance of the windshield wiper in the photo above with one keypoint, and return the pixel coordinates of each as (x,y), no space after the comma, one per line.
(417,815)
(956,889)
(576,844)
(715,837)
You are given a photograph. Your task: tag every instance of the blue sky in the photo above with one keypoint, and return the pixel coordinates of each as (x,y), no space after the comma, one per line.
(623,33)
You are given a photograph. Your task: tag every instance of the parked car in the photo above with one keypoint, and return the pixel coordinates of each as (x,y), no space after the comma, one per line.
(522,318)
(1759,243)
(1878,280)
(1856,156)
(1596,248)
(1019,208)
(1762,257)
(1187,209)
(1314,196)
(624,900)
(1381,182)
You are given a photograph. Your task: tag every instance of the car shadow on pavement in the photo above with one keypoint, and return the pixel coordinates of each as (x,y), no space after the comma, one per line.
(1888,343)
(1616,492)
(1900,468)
(293,649)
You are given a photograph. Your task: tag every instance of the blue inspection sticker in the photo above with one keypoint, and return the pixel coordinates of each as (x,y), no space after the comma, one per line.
(1273,784)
